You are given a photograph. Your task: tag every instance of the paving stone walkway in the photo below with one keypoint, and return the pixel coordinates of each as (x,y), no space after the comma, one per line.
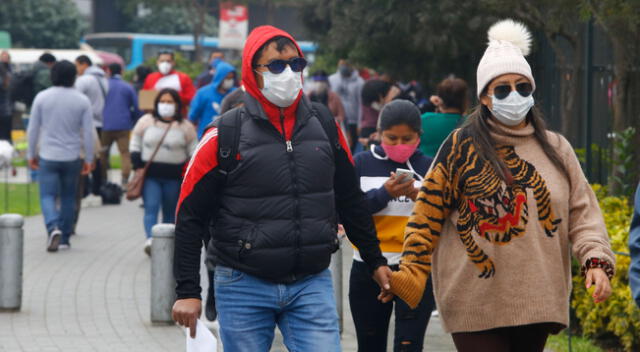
(95,297)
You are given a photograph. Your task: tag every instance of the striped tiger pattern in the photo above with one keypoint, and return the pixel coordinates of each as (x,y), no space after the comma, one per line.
(490,209)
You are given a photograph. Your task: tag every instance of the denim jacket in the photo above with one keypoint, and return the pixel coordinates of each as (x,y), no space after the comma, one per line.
(634,248)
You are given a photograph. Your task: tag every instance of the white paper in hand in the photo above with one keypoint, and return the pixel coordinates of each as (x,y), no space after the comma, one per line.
(204,341)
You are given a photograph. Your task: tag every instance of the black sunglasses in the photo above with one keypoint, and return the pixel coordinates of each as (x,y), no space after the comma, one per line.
(503,91)
(297,64)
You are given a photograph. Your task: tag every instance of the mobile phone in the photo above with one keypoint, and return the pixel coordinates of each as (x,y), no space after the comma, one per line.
(404,175)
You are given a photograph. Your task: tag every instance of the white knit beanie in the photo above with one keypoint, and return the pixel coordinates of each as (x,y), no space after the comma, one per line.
(509,43)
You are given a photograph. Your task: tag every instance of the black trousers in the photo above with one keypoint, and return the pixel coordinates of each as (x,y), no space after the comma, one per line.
(96,174)
(523,338)
(371,317)
(5,128)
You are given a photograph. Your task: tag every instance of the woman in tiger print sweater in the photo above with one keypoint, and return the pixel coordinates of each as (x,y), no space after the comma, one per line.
(498,213)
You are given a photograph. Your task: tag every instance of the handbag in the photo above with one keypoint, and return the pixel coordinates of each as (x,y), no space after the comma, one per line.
(134,188)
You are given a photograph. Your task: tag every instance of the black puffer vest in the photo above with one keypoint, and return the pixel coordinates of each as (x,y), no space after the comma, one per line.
(276,218)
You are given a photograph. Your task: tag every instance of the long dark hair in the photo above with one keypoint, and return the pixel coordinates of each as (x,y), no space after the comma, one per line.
(477,127)
(176,97)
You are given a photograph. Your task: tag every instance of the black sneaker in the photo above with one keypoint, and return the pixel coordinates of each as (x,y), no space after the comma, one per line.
(54,241)
(210,308)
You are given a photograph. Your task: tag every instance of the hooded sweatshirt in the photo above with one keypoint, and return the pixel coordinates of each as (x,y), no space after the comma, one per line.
(260,35)
(206,104)
(95,86)
(390,215)
(287,187)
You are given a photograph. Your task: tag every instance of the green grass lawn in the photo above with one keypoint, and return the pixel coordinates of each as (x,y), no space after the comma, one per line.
(560,343)
(115,162)
(19,201)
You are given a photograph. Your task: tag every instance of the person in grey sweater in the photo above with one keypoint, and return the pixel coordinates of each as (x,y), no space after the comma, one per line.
(93,83)
(60,126)
(347,83)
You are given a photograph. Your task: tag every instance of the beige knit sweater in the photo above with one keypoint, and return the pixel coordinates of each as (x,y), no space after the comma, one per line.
(500,251)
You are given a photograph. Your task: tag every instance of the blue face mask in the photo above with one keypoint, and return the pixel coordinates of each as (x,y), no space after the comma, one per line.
(513,109)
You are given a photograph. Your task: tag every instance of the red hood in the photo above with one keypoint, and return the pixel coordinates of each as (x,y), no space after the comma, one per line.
(256,39)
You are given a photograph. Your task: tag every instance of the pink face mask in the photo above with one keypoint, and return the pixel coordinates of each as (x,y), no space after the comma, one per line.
(400,153)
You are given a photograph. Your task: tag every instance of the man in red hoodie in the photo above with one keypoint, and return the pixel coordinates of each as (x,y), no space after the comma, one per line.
(168,77)
(274,216)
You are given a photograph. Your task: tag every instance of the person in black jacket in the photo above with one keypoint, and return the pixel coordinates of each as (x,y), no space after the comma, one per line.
(274,216)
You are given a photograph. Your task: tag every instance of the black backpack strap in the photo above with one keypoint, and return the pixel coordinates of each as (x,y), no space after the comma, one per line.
(328,123)
(229,125)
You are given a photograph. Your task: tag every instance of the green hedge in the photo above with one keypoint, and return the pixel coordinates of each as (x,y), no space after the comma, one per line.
(616,320)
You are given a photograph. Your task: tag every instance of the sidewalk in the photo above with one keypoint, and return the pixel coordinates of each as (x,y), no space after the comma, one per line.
(95,297)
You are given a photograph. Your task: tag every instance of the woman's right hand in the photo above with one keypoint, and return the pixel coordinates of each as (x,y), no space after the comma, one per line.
(397,187)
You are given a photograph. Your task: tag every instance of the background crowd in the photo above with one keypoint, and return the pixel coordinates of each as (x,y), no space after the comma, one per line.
(79,110)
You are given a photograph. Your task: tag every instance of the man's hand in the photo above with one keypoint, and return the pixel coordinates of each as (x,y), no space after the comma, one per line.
(186,313)
(33,164)
(598,277)
(86,169)
(382,276)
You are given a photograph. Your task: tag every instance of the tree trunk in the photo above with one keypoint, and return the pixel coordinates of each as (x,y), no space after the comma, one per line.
(198,29)
(626,105)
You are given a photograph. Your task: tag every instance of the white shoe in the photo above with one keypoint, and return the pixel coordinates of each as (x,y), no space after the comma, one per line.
(54,240)
(435,314)
(147,247)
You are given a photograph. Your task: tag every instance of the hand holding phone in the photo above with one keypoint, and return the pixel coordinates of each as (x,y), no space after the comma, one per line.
(404,175)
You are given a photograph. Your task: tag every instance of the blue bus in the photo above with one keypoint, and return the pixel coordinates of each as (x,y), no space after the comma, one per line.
(136,48)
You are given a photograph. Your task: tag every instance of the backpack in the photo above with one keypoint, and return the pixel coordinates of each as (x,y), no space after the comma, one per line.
(22,88)
(111,193)
(229,135)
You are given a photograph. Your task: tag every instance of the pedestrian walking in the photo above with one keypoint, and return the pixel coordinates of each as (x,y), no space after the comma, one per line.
(93,83)
(501,208)
(321,93)
(61,124)
(120,113)
(205,106)
(6,110)
(42,73)
(390,197)
(348,85)
(207,75)
(173,139)
(374,97)
(634,248)
(232,100)
(451,103)
(140,76)
(273,205)
(168,77)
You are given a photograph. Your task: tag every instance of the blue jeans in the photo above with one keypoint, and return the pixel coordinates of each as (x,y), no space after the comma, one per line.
(159,192)
(249,309)
(59,180)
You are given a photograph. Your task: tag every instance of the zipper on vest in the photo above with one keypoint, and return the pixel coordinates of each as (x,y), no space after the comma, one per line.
(287,142)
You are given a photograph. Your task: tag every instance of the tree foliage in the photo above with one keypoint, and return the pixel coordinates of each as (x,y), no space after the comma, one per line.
(409,39)
(169,20)
(42,23)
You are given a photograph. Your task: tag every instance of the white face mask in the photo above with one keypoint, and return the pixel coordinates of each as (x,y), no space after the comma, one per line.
(513,109)
(227,84)
(164,67)
(166,110)
(281,89)
(320,87)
